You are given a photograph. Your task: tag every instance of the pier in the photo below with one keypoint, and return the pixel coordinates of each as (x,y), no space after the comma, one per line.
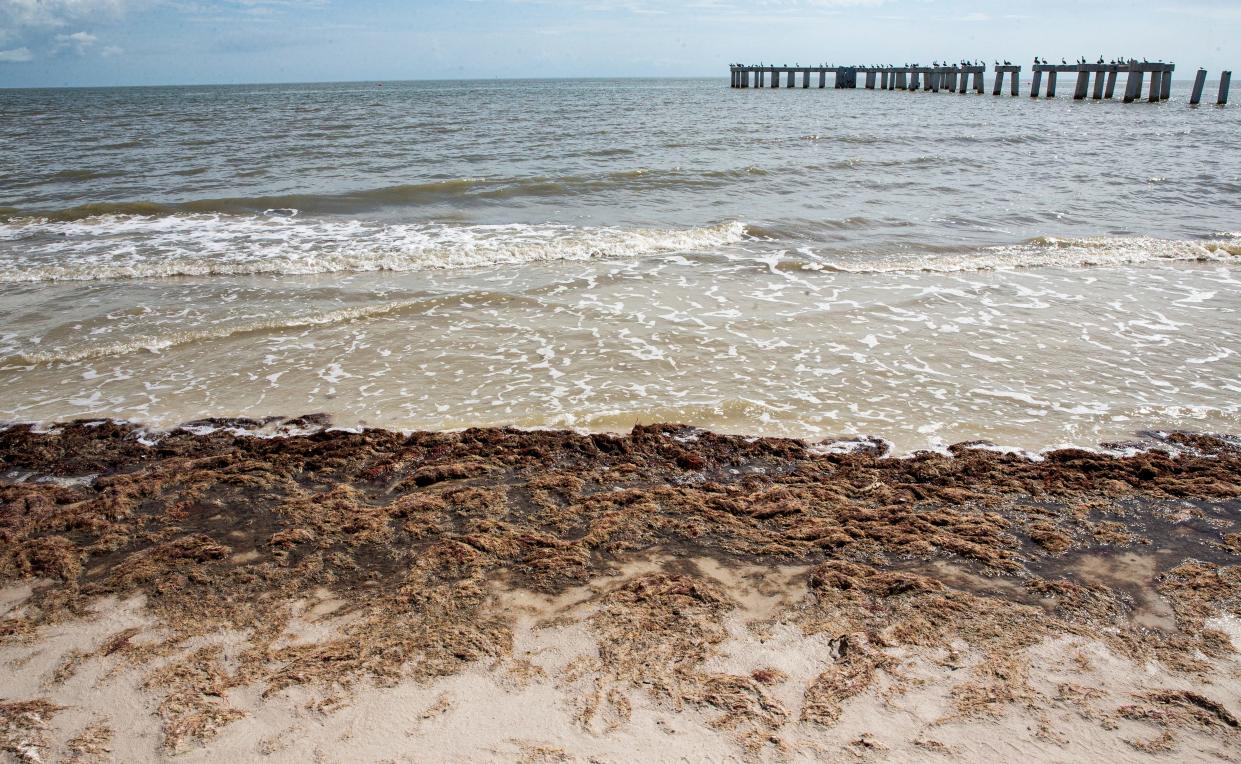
(1105,77)
(966,77)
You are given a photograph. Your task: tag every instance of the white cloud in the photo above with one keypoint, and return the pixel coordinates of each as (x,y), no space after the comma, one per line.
(111,51)
(58,13)
(15,55)
(77,42)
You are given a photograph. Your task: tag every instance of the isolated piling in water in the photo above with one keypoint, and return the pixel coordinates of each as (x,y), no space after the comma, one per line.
(1200,81)
(1225,80)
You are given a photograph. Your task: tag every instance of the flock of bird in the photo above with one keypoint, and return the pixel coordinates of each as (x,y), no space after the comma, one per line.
(1114,62)
(963,62)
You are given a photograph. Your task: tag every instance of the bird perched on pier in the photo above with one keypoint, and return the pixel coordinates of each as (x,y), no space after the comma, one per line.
(1063,62)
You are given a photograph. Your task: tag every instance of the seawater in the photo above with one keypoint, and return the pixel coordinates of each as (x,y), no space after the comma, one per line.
(925,268)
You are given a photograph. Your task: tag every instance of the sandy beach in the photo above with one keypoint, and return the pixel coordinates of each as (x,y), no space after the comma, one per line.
(276,591)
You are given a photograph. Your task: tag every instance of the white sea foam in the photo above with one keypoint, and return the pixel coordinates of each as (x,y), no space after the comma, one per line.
(159,343)
(141,246)
(1050,252)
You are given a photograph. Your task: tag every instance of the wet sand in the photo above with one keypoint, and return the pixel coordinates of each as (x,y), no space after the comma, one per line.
(673,594)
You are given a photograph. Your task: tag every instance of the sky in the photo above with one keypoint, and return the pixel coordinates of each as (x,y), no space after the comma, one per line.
(53,43)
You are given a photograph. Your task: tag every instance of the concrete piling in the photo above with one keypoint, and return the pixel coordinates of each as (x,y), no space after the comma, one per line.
(1165,86)
(1111,84)
(1083,82)
(1200,81)
(1037,84)
(1051,83)
(1156,87)
(1098,84)
(1225,80)
(1133,84)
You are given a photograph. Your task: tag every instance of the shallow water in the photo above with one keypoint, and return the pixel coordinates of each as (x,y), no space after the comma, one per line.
(927,268)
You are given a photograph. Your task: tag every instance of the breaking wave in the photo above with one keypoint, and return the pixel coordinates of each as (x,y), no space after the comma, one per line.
(454,191)
(201,244)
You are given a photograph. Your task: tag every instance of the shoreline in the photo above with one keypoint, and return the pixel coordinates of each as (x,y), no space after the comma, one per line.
(1172,441)
(554,596)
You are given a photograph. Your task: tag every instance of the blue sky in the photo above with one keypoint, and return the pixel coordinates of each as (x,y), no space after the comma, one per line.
(117,42)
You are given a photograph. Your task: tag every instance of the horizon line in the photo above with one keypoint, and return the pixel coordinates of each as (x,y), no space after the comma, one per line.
(270,83)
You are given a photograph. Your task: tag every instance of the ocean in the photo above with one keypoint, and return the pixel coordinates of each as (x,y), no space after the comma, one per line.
(592,254)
